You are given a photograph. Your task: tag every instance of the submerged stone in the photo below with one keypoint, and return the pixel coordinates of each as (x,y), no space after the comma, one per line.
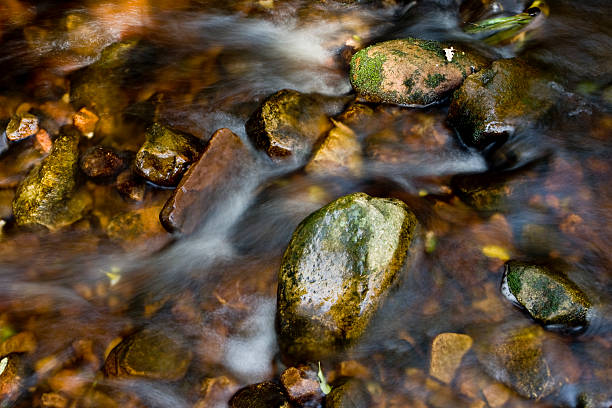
(548,296)
(411,71)
(527,359)
(349,393)
(44,197)
(447,351)
(263,395)
(21,126)
(493,104)
(166,155)
(339,154)
(149,354)
(11,379)
(336,271)
(301,385)
(288,123)
(101,162)
(225,164)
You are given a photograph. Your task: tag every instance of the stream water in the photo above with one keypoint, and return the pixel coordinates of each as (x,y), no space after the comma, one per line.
(78,289)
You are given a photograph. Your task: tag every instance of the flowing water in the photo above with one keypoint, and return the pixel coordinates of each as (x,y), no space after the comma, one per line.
(214,61)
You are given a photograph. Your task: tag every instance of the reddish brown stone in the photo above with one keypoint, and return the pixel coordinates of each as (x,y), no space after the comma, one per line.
(85,120)
(301,385)
(101,163)
(208,182)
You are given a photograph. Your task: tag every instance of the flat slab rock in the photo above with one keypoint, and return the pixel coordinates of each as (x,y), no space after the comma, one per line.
(207,183)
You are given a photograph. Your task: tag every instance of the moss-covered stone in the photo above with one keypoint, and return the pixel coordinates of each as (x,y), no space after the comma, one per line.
(348,393)
(263,395)
(288,123)
(410,71)
(336,271)
(548,296)
(166,155)
(151,354)
(494,103)
(47,195)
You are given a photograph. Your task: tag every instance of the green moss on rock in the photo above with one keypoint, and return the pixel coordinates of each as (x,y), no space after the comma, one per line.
(433,80)
(338,267)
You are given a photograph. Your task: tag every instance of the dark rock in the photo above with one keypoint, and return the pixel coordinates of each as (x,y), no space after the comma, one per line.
(151,354)
(263,395)
(301,385)
(130,185)
(21,126)
(411,71)
(338,268)
(47,196)
(548,296)
(493,104)
(166,155)
(350,393)
(288,123)
(529,360)
(101,163)
(226,161)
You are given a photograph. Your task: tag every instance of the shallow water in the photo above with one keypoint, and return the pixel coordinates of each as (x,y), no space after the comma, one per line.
(214,62)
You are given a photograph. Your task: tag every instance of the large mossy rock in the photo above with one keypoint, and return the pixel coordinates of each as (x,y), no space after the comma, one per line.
(548,296)
(494,103)
(338,267)
(288,123)
(149,354)
(47,195)
(411,71)
(165,155)
(263,395)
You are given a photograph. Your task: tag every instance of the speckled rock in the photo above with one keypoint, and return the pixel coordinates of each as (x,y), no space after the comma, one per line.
(47,195)
(151,354)
(11,379)
(493,104)
(548,296)
(288,123)
(529,360)
(336,271)
(101,163)
(166,155)
(302,386)
(348,393)
(263,395)
(411,71)
(21,126)
(447,351)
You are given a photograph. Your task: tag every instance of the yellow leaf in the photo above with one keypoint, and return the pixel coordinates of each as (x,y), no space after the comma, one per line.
(495,251)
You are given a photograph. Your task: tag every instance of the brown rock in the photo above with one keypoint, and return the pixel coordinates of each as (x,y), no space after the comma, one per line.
(53,400)
(339,154)
(301,385)
(101,162)
(216,392)
(225,161)
(130,186)
(21,126)
(10,379)
(43,141)
(85,120)
(263,395)
(447,351)
(23,342)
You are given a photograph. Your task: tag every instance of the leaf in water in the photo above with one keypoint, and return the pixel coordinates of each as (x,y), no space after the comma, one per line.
(325,387)
(114,275)
(495,251)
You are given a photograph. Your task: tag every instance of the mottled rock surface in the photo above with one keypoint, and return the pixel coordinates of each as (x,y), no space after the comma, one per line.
(166,155)
(263,395)
(101,162)
(150,354)
(339,154)
(225,162)
(288,123)
(447,351)
(494,103)
(336,271)
(21,126)
(349,393)
(45,196)
(548,296)
(301,385)
(410,71)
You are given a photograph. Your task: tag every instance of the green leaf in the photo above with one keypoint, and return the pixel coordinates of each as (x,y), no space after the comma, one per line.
(325,387)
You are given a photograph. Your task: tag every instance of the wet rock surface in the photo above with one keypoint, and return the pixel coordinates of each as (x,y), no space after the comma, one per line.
(166,155)
(101,163)
(411,71)
(226,161)
(349,393)
(263,395)
(494,103)
(11,378)
(22,126)
(301,385)
(548,296)
(337,269)
(44,197)
(288,123)
(339,154)
(447,351)
(149,353)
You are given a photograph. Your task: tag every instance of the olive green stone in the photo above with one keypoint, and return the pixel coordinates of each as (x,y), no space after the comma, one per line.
(45,196)
(496,102)
(166,155)
(288,123)
(349,393)
(338,267)
(548,296)
(411,71)
(263,395)
(151,354)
